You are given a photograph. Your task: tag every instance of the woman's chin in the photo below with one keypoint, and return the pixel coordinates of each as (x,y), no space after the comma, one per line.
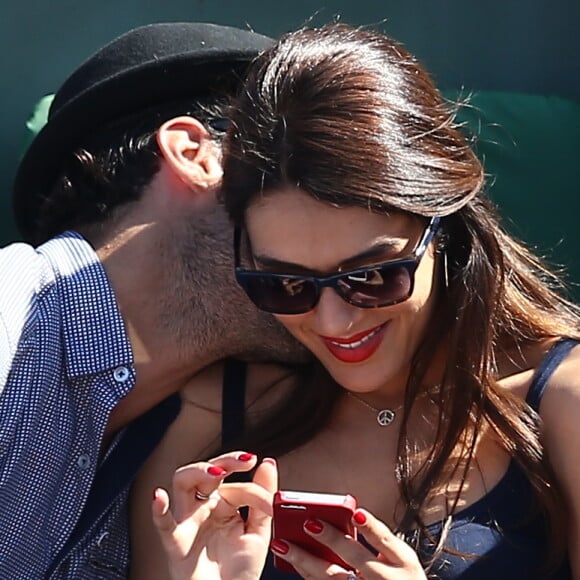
(359,381)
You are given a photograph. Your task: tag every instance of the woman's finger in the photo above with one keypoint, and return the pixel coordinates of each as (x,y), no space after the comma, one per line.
(196,482)
(266,477)
(307,565)
(393,550)
(249,494)
(344,548)
(190,477)
(165,523)
(193,483)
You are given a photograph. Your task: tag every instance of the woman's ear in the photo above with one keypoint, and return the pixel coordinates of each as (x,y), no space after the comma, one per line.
(190,153)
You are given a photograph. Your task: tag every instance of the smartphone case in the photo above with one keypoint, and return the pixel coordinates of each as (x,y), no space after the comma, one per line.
(293,508)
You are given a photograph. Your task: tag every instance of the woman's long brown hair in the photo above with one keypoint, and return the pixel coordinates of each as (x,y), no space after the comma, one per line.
(350,117)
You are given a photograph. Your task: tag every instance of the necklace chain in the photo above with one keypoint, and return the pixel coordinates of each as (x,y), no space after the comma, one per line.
(384,416)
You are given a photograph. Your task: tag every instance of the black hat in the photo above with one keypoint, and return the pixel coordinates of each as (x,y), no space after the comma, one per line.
(144,67)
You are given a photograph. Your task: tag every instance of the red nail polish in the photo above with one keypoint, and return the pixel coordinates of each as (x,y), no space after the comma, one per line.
(215,470)
(359,518)
(279,546)
(313,526)
(246,456)
(269,460)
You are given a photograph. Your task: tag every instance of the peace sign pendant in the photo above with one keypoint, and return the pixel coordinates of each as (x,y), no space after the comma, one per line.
(385,417)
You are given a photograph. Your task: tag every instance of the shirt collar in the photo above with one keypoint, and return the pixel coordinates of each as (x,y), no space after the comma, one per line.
(93,329)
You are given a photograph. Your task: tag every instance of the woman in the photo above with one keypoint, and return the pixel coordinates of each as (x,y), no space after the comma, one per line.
(364,228)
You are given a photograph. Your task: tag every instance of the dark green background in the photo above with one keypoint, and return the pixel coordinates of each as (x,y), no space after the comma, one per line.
(521,58)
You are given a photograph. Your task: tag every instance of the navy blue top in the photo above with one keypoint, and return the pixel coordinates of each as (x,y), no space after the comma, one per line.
(496,536)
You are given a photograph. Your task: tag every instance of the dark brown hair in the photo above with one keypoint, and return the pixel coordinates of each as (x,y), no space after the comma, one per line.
(115,163)
(350,117)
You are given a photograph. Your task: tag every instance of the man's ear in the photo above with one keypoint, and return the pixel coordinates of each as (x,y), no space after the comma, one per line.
(190,153)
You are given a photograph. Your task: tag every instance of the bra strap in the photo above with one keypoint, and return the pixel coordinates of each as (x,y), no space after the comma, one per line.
(233,400)
(549,364)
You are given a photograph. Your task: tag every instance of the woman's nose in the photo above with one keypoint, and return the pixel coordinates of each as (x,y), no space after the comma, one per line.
(333,316)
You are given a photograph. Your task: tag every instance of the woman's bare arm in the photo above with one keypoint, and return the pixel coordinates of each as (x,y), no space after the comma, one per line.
(560,411)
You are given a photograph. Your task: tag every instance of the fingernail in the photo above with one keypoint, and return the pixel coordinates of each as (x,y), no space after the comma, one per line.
(269,460)
(279,546)
(359,518)
(155,494)
(246,456)
(215,470)
(313,526)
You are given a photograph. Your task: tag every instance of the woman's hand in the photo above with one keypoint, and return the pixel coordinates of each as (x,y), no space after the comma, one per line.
(396,560)
(203,534)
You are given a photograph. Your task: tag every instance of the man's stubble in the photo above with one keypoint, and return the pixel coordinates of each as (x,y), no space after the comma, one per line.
(203,307)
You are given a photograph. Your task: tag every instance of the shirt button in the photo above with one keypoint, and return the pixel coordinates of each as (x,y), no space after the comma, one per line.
(121,374)
(101,539)
(83,461)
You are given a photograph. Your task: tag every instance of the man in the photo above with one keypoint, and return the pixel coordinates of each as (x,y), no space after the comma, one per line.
(129,294)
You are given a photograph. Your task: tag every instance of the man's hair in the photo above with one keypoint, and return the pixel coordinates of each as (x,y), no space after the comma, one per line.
(114,164)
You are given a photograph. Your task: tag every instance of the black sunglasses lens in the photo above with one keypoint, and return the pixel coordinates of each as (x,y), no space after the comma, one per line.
(280,295)
(377,287)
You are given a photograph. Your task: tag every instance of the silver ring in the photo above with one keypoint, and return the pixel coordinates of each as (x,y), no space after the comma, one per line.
(201,496)
(352,576)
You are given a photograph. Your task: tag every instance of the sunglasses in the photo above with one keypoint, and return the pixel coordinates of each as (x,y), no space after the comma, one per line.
(374,286)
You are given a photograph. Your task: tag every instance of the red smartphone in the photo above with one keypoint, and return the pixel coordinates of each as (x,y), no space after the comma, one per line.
(293,508)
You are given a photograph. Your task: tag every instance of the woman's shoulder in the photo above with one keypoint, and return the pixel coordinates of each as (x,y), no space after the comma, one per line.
(567,372)
(560,413)
(547,375)
(561,396)
(263,384)
(196,432)
(534,370)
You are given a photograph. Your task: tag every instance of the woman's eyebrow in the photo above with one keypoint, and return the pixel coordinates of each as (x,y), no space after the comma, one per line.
(382,249)
(269,263)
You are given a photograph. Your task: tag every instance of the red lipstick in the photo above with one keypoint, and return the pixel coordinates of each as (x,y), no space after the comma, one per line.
(356,348)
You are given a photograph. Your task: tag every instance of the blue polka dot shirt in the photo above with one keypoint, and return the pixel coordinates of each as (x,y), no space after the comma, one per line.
(65,362)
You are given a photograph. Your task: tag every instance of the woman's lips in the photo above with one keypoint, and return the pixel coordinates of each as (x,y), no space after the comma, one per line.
(358,347)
